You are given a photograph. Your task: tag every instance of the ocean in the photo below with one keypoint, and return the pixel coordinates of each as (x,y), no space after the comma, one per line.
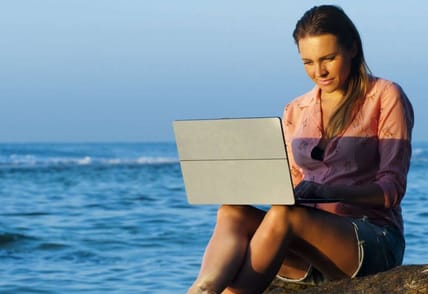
(113,218)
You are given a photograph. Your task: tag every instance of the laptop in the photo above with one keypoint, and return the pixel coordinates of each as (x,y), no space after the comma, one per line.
(235,161)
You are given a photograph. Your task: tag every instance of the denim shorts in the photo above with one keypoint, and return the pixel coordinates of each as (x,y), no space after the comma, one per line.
(380,248)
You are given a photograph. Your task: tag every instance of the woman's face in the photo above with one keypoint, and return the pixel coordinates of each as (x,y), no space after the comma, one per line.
(326,63)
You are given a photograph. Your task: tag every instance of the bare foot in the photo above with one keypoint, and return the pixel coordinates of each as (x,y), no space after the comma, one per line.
(200,290)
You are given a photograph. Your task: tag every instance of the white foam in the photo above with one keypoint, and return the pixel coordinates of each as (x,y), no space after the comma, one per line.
(156,160)
(85,160)
(417,151)
(34,161)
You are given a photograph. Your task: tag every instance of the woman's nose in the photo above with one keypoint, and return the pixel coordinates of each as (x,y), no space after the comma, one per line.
(320,70)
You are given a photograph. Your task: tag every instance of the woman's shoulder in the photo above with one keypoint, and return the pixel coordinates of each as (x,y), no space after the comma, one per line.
(388,95)
(382,86)
(301,106)
(305,99)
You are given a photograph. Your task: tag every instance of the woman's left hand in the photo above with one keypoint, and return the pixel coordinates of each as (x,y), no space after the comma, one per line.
(308,189)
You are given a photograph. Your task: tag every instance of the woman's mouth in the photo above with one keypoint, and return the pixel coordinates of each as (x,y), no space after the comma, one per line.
(325,82)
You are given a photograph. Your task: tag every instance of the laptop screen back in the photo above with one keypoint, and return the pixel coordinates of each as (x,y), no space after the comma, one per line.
(234,161)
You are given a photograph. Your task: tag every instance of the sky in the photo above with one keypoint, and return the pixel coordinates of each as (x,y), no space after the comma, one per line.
(104,70)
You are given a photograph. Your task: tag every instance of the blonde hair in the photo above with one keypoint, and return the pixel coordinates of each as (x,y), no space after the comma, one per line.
(330,19)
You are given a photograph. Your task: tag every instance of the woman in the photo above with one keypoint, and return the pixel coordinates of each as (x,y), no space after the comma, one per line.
(348,138)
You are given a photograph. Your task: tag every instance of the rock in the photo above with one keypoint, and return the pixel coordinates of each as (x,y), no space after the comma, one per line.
(409,279)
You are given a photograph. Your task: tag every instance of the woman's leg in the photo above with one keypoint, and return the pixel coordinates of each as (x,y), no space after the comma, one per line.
(227,248)
(325,240)
(293,266)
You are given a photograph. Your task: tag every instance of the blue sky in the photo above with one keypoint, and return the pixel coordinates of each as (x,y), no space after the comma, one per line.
(103,70)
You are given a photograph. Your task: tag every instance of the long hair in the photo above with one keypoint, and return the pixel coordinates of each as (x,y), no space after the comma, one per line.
(330,19)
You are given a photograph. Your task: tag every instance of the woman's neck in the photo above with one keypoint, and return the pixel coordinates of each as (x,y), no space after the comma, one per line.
(328,105)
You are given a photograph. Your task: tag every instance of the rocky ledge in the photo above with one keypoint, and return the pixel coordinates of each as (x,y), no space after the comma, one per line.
(409,279)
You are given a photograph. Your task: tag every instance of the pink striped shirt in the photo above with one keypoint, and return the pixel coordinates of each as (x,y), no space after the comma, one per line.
(374,148)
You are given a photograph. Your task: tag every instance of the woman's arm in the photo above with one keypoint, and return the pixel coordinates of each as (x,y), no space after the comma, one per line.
(368,194)
(395,125)
(365,195)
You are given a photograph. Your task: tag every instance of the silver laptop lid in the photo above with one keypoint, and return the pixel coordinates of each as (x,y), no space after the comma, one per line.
(234,161)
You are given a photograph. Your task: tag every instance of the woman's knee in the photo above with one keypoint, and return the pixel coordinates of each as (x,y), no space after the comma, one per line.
(234,213)
(240,215)
(291,217)
(282,213)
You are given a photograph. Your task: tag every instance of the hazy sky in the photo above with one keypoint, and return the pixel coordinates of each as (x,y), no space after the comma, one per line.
(100,70)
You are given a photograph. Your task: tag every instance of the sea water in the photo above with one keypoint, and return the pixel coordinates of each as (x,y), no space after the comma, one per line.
(113,218)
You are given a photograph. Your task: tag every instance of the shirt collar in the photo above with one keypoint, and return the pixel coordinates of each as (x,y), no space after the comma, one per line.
(310,99)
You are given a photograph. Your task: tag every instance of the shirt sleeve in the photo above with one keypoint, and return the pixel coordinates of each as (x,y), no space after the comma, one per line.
(394,132)
(290,119)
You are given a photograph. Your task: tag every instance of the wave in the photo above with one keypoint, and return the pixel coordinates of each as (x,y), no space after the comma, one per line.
(34,161)
(7,238)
